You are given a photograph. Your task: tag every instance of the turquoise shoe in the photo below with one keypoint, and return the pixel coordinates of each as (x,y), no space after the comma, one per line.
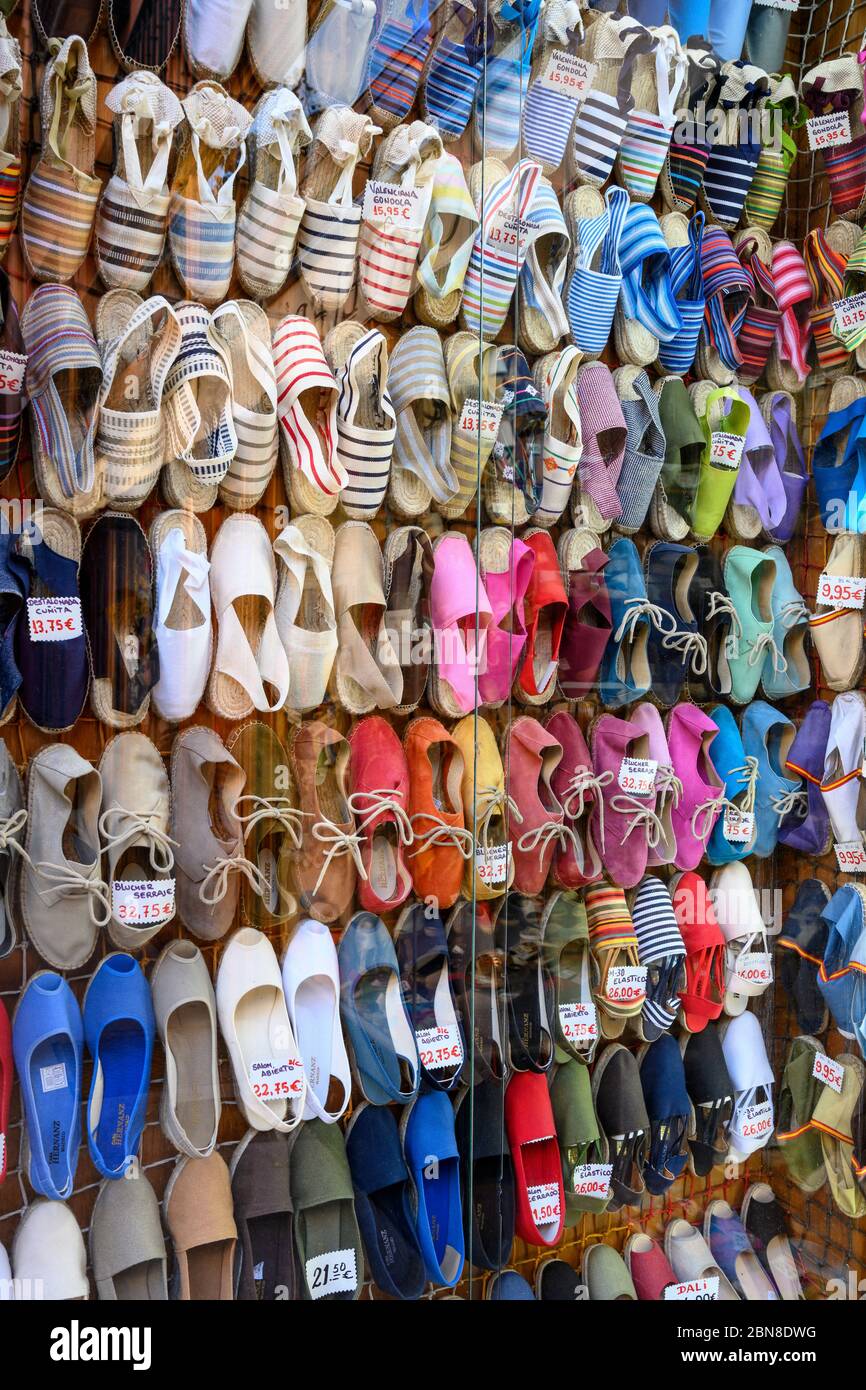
(749,579)
(791,674)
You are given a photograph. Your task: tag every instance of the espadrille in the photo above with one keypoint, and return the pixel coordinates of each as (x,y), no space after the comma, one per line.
(477,406)
(503,198)
(685,237)
(304,609)
(505,565)
(826,265)
(837,633)
(835,89)
(367,672)
(456,64)
(780,416)
(213,37)
(556,380)
(446,244)
(276,41)
(62,191)
(682,176)
(144,36)
(835,459)
(734,154)
(647,313)
(10,135)
(327,240)
(132,217)
(671,505)
(612,45)
(200,431)
(761,319)
(513,478)
(307,412)
(460,612)
(271,823)
(366,423)
(594,277)
(336,57)
(554,96)
(724,420)
(657,82)
(242,331)
(541,318)
(546,609)
(396,200)
(408,556)
(644,447)
(271,213)
(133,825)
(588,624)
(117,608)
(851,335)
(397,59)
(250,667)
(13,397)
(499,100)
(729,288)
(51,645)
(182,614)
(787,365)
(327,864)
(595,502)
(767,193)
(421,469)
(206,784)
(759,500)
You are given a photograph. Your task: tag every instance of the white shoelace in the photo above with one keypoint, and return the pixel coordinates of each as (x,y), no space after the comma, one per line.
(73,883)
(762,646)
(793,612)
(668,784)
(217,877)
(543,835)
(635,610)
(583,782)
(748,775)
(692,647)
(379,800)
(277,808)
(135,827)
(498,803)
(721,605)
(10,829)
(441,834)
(794,802)
(339,842)
(641,815)
(710,810)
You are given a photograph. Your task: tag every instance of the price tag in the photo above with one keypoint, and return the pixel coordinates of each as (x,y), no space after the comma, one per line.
(753,968)
(565,72)
(54,619)
(141,902)
(738,827)
(790,5)
(53,1078)
(439,1047)
(492,864)
(756,1121)
(638,775)
(481,415)
(626,984)
(406,208)
(334,1272)
(277,1080)
(849,314)
(726,449)
(841,590)
(593,1180)
(825,131)
(696,1290)
(851,856)
(578,1022)
(509,234)
(544,1203)
(828,1071)
(12,366)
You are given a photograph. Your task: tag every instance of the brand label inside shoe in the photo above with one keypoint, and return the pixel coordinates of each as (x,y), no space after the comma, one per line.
(626,984)
(753,968)
(849,314)
(579,1022)
(54,619)
(638,775)
(53,1078)
(141,902)
(439,1047)
(12,366)
(334,1272)
(565,72)
(756,1121)
(492,863)
(268,870)
(851,856)
(832,129)
(738,827)
(405,207)
(726,449)
(696,1290)
(828,1071)
(273,1079)
(508,234)
(841,590)
(544,1203)
(483,416)
(592,1180)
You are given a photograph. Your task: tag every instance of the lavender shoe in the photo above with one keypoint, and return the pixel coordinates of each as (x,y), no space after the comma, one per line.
(807,826)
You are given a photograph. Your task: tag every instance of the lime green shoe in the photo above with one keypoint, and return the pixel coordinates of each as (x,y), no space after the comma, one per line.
(725,435)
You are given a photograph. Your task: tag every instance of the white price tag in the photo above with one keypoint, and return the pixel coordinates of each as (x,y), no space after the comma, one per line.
(849,314)
(508,234)
(277,1080)
(406,208)
(825,131)
(141,902)
(753,968)
(592,1180)
(841,590)
(790,5)
(544,1203)
(851,856)
(492,864)
(756,1122)
(53,1078)
(738,827)
(579,1022)
(54,619)
(565,72)
(626,984)
(12,367)
(638,775)
(439,1047)
(696,1290)
(726,449)
(481,415)
(828,1071)
(335,1272)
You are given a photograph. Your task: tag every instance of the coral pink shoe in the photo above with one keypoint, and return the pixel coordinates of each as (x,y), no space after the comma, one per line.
(379,778)
(576,787)
(506,565)
(531,758)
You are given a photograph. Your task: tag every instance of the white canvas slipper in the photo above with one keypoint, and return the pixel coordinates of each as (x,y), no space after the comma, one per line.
(748,960)
(271,213)
(691,1259)
(311,984)
(752,1121)
(49,1259)
(250,668)
(304,609)
(182,616)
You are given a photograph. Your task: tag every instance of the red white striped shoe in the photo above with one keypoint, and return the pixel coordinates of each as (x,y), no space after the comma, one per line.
(307,413)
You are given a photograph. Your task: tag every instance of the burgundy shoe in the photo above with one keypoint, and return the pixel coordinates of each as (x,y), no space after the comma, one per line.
(624,816)
(379,777)
(690,735)
(588,622)
(575,786)
(531,758)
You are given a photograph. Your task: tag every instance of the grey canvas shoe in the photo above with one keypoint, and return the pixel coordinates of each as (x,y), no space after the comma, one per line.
(13,819)
(185,1010)
(206,783)
(59,894)
(134,830)
(127,1248)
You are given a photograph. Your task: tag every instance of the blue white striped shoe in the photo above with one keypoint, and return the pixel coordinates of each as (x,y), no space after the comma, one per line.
(648,313)
(499,100)
(454,71)
(542,320)
(685,237)
(551,104)
(504,199)
(595,280)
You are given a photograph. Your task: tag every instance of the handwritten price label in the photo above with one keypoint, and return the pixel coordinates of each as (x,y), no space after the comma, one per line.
(386,202)
(141,902)
(12,369)
(756,1121)
(696,1290)
(492,863)
(272,1079)
(483,416)
(828,1071)
(851,856)
(726,449)
(638,775)
(54,619)
(592,1180)
(509,234)
(753,968)
(335,1272)
(738,827)
(626,984)
(841,590)
(565,72)
(544,1203)
(439,1047)
(825,131)
(579,1022)
(849,314)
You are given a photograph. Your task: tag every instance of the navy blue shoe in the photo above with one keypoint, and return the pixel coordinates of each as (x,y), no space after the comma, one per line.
(682,649)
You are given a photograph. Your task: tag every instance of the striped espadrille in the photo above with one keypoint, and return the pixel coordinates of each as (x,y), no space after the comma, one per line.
(307,414)
(271,213)
(328,235)
(658,80)
(10,134)
(366,423)
(200,431)
(243,333)
(388,246)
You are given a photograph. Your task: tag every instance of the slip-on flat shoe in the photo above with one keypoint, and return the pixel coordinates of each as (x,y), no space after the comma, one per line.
(119,1029)
(486,1174)
(477,972)
(803,942)
(184,1006)
(48,1043)
(764,1223)
(752,1118)
(624,674)
(648,1266)
(807,825)
(382,1202)
(539,1203)
(556,1281)
(422,955)
(711,1096)
(528,988)
(732,1251)
(581,1141)
(266,1262)
(605,1275)
(508,1287)
(574,976)
(663,1082)
(430,1150)
(377,1027)
(622,1114)
(740,782)
(127,1247)
(799,1092)
(326,1230)
(48,1252)
(675,645)
(311,984)
(199,1217)
(842,972)
(691,1258)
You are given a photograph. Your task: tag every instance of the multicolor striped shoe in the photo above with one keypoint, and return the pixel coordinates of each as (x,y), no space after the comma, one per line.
(328,235)
(307,414)
(767,193)
(788,366)
(682,176)
(12,376)
(396,200)
(397,58)
(454,70)
(503,199)
(729,288)
(10,135)
(837,86)
(613,45)
(657,82)
(61,194)
(826,270)
(499,100)
(685,237)
(761,319)
(132,217)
